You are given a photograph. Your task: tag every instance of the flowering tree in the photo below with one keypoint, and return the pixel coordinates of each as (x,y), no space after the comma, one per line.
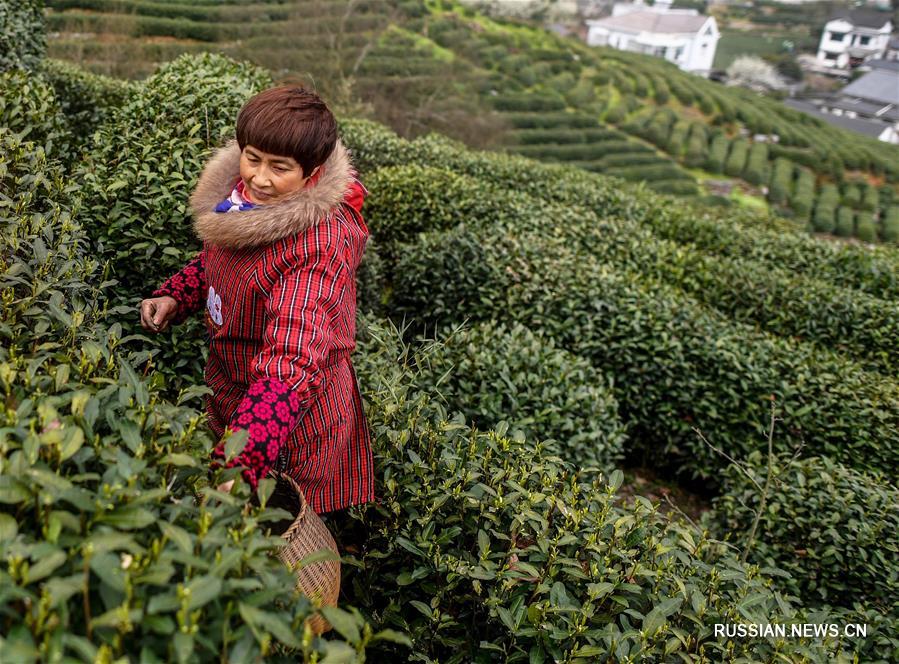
(752,72)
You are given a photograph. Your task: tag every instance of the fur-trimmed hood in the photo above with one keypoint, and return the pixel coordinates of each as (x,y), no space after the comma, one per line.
(264,224)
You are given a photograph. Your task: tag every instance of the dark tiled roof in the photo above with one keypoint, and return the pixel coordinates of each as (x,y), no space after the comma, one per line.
(879,85)
(886,112)
(868,18)
(867,127)
(884,64)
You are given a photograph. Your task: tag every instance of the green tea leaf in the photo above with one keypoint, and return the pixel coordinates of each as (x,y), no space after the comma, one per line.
(343,622)
(203,590)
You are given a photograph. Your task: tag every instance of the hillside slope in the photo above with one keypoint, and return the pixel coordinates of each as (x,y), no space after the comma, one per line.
(437,66)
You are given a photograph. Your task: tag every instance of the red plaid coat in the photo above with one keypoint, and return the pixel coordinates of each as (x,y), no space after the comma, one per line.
(279,288)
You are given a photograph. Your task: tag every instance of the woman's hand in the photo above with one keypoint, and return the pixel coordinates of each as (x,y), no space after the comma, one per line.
(157,312)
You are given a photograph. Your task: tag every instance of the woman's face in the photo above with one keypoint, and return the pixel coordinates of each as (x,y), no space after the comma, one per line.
(268,177)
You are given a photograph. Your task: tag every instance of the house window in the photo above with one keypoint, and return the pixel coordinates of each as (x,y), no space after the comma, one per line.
(864,41)
(659,51)
(830,56)
(837,36)
(679,53)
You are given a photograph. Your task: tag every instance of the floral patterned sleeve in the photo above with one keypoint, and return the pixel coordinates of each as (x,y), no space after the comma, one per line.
(269,413)
(188,287)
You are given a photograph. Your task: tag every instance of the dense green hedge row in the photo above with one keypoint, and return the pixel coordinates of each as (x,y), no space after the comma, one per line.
(679,186)
(145,160)
(697,148)
(181,28)
(29,108)
(751,161)
(141,169)
(106,554)
(656,343)
(743,235)
(272,10)
(781,185)
(22,39)
(586,151)
(530,103)
(565,136)
(489,548)
(387,68)
(86,100)
(493,374)
(418,212)
(891,225)
(650,173)
(409,200)
(832,528)
(756,171)
(558,120)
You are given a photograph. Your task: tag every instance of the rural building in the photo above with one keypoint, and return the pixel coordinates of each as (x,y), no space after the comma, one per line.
(682,36)
(854,36)
(892,49)
(869,105)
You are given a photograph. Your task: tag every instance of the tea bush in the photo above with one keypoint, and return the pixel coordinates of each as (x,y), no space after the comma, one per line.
(22,39)
(830,527)
(106,553)
(823,220)
(736,157)
(138,176)
(655,343)
(804,193)
(530,103)
(409,200)
(851,195)
(563,136)
(492,374)
(781,181)
(628,159)
(550,120)
(845,225)
(865,227)
(730,233)
(891,225)
(29,108)
(697,146)
(651,174)
(85,99)
(145,162)
(566,152)
(677,138)
(870,198)
(757,164)
(682,187)
(490,548)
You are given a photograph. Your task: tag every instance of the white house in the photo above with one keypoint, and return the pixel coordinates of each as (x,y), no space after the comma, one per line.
(853,36)
(682,36)
(892,52)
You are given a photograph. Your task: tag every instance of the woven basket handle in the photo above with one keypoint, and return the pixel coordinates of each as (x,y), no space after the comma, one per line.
(288,534)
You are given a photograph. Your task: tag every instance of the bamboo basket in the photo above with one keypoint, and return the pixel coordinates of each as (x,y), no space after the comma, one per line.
(319,581)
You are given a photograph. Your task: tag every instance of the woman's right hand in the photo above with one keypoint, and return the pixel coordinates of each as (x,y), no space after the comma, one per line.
(157,312)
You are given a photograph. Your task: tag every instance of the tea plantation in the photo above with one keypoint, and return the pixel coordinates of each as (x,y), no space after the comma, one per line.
(525,330)
(435,65)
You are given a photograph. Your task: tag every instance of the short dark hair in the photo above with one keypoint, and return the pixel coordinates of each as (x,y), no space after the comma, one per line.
(290,122)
